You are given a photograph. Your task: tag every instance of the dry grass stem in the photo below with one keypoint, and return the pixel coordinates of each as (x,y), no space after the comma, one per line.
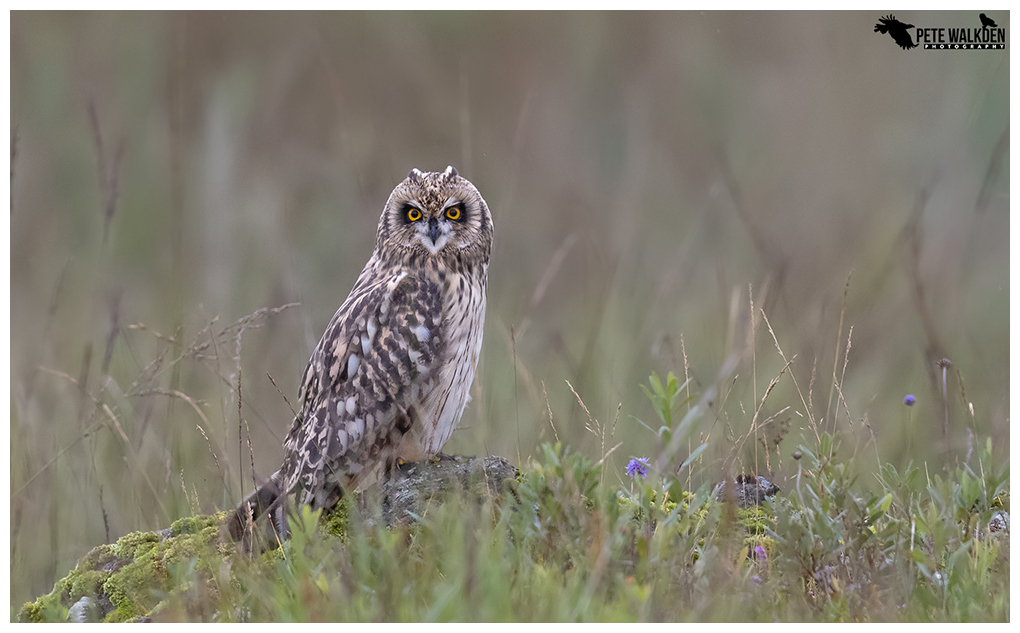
(282,395)
(793,376)
(549,409)
(839,341)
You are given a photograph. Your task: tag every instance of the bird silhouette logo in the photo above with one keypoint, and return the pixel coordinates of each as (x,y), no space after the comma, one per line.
(987,22)
(896,30)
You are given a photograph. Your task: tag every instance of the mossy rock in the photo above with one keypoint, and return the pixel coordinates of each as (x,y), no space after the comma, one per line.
(129,580)
(417,485)
(144,574)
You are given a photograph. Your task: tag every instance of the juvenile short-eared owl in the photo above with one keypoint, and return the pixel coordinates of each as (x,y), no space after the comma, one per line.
(390,377)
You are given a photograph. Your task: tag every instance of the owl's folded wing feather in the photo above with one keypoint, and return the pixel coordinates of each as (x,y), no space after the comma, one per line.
(372,366)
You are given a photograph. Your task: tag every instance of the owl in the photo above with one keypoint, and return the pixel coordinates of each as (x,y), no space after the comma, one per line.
(389,379)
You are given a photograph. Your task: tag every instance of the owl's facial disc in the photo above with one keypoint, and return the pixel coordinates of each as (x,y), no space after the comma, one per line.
(433,234)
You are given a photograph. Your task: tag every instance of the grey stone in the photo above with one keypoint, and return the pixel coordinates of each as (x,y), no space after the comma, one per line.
(746,490)
(413,487)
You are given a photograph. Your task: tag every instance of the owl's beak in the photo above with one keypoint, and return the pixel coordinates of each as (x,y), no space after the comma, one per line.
(433,231)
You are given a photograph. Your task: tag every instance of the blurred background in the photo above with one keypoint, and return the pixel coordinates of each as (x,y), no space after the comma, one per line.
(650,176)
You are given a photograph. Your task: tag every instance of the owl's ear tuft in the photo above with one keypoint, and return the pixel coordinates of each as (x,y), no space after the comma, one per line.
(415,174)
(450,171)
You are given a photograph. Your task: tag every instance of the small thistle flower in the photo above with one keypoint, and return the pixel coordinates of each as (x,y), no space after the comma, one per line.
(909,400)
(638,466)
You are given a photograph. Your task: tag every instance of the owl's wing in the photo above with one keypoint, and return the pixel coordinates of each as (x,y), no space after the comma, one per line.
(378,356)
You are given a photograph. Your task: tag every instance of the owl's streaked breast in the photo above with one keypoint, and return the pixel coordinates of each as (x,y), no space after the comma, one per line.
(441,408)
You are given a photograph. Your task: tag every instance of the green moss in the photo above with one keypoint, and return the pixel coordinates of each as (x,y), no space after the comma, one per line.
(134,544)
(97,558)
(140,574)
(88,578)
(193,525)
(48,608)
(84,582)
(131,590)
(139,588)
(336,520)
(134,571)
(756,519)
(30,613)
(204,548)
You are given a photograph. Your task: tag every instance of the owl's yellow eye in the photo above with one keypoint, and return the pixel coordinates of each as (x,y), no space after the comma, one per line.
(453,213)
(413,214)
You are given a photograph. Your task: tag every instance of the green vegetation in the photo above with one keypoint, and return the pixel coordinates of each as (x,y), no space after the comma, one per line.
(561,546)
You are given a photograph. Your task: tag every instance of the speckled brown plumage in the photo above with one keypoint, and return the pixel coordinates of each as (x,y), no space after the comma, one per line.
(390,377)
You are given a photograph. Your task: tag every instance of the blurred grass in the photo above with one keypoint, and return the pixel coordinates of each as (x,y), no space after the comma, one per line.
(644,172)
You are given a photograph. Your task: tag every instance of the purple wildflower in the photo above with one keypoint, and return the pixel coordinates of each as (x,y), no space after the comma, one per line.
(759,553)
(909,400)
(638,466)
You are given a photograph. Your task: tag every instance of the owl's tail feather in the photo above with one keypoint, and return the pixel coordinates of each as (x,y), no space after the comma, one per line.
(268,499)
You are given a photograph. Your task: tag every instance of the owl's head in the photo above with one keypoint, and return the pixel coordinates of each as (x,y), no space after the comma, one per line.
(436,215)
